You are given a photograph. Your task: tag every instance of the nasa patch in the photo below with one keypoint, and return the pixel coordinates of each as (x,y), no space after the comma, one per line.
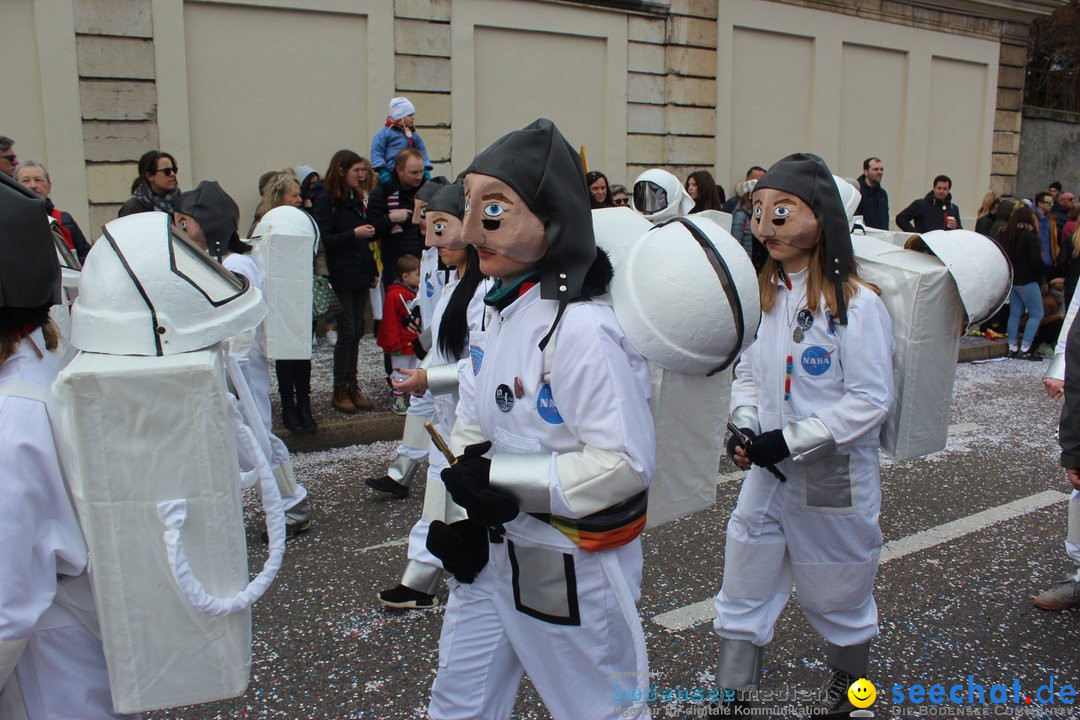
(545,405)
(429,288)
(477,354)
(816,360)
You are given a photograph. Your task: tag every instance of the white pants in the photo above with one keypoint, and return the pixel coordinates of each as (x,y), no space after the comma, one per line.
(578,669)
(830,554)
(424,407)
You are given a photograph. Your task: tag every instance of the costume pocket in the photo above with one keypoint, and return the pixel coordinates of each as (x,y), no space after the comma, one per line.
(508,442)
(545,584)
(827,484)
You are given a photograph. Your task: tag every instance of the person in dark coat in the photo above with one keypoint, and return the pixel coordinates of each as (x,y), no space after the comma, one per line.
(874,206)
(936,211)
(346,231)
(1020,241)
(156,188)
(390,210)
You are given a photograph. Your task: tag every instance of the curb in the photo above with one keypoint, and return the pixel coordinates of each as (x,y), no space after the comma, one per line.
(982,350)
(349,430)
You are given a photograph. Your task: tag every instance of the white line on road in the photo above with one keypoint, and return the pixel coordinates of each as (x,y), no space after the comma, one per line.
(389,543)
(699,612)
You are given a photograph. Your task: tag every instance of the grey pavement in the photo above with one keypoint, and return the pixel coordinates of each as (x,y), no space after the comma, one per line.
(953,594)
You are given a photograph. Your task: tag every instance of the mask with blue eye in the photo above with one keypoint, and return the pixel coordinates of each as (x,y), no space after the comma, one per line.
(498,219)
(493,214)
(784,217)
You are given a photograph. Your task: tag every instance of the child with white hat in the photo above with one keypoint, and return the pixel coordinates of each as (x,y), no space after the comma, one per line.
(398,133)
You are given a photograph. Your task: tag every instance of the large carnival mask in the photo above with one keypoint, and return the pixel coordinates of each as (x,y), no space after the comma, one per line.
(497,219)
(784,217)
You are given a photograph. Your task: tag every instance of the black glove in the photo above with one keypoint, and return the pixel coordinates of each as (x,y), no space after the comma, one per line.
(467,481)
(768,448)
(462,547)
(733,442)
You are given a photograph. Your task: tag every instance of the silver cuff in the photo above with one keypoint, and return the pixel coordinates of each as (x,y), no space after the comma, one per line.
(1056,371)
(853,659)
(421,577)
(745,416)
(1073,533)
(403,470)
(415,436)
(525,476)
(739,664)
(425,338)
(808,439)
(442,379)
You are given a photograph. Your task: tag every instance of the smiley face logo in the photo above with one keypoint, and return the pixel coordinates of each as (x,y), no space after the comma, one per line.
(862,693)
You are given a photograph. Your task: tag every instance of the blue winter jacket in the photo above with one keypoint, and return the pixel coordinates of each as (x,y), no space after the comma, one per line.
(391,140)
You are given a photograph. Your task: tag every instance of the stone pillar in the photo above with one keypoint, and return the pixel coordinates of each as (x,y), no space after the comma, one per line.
(1009,115)
(422,72)
(118,97)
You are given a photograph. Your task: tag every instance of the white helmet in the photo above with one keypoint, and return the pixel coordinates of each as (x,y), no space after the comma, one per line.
(850,196)
(686,294)
(659,196)
(146,290)
(288,220)
(982,272)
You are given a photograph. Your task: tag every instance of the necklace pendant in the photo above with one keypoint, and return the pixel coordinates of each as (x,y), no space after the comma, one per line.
(798,335)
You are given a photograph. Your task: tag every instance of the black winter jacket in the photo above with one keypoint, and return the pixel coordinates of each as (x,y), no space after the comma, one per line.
(394,244)
(874,206)
(926,214)
(1025,253)
(348,257)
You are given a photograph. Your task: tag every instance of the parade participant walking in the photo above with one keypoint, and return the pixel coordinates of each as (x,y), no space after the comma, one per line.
(572,452)
(51,663)
(811,393)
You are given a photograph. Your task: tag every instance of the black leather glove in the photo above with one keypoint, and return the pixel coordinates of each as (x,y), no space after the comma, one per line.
(768,448)
(468,482)
(462,547)
(733,442)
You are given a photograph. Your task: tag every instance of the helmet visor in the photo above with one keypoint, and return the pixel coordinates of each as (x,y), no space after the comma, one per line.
(191,262)
(649,197)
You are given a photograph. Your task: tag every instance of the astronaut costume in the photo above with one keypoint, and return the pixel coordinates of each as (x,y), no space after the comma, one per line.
(51,660)
(424,570)
(659,196)
(562,499)
(818,387)
(217,215)
(414,441)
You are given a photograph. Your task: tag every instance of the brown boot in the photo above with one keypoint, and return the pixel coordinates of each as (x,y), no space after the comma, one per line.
(359,401)
(342,401)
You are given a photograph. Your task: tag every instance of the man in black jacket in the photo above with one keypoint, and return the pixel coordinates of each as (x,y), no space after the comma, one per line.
(390,208)
(1065,594)
(874,206)
(933,212)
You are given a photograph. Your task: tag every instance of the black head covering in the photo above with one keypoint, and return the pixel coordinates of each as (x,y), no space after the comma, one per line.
(542,167)
(449,199)
(806,176)
(216,213)
(29,270)
(426,191)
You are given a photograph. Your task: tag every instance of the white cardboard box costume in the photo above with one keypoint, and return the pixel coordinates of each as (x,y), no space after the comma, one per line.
(684,331)
(152,464)
(930,303)
(284,244)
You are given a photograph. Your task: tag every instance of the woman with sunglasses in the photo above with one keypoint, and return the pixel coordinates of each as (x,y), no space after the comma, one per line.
(156,187)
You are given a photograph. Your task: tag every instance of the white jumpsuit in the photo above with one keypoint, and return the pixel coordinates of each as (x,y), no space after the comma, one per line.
(256,369)
(436,499)
(820,528)
(542,605)
(61,671)
(1057,371)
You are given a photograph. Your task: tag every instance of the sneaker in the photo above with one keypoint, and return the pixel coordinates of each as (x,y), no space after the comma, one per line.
(833,695)
(1064,595)
(405,598)
(291,530)
(387,484)
(1033,355)
(331,337)
(400,405)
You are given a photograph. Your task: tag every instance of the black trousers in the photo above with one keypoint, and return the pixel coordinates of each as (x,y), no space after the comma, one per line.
(350,326)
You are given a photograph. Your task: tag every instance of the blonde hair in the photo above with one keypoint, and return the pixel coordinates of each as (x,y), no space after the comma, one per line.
(274,193)
(818,284)
(988,201)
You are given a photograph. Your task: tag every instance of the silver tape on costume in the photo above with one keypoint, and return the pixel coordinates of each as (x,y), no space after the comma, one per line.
(853,659)
(745,416)
(415,436)
(545,584)
(1074,522)
(594,479)
(421,577)
(425,338)
(286,480)
(526,476)
(808,439)
(739,664)
(829,484)
(403,470)
(442,379)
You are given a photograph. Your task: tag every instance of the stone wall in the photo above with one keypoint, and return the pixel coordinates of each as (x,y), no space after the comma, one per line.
(1049,148)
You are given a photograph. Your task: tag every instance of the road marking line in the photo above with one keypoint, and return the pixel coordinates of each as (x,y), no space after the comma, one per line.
(389,543)
(958,428)
(699,612)
(736,476)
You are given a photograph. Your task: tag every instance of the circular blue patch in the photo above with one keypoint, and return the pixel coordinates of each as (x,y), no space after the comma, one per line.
(816,360)
(429,288)
(477,355)
(545,405)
